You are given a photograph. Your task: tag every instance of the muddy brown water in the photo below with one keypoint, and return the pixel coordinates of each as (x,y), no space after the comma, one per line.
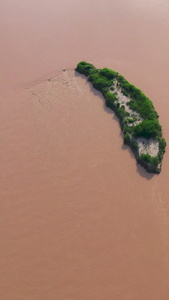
(79,219)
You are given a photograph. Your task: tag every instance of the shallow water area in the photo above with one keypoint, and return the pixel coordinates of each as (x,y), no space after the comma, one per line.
(79,219)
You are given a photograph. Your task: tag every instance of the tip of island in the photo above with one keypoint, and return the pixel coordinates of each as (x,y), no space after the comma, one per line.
(136,113)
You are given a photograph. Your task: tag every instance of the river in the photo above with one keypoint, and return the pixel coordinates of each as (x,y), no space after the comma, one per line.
(79,219)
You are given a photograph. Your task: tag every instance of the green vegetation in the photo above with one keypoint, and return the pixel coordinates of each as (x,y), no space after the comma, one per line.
(147,129)
(127,138)
(110,100)
(101,79)
(143,122)
(131,120)
(154,161)
(84,68)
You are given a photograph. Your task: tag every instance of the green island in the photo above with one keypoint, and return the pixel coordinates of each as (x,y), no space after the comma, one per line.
(137,116)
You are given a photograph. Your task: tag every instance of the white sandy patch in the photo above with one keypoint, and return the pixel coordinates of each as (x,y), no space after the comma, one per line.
(122,99)
(149,146)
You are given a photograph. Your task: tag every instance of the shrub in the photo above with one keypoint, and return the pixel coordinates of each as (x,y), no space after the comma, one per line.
(120,112)
(128,129)
(131,120)
(109,74)
(144,107)
(147,129)
(104,91)
(162,144)
(110,99)
(154,161)
(134,145)
(99,82)
(146,158)
(125,93)
(126,138)
(84,68)
(124,123)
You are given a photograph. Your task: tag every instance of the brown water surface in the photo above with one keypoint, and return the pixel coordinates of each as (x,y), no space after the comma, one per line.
(79,219)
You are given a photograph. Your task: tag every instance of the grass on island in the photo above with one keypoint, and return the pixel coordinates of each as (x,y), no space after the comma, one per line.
(103,80)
